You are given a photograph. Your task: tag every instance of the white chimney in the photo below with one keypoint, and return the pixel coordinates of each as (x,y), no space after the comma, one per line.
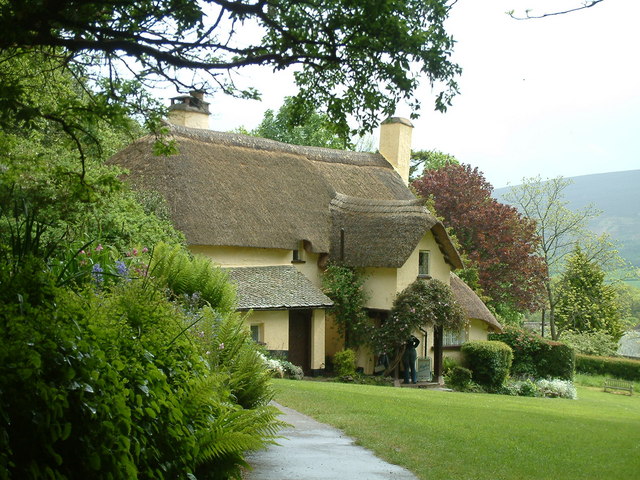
(190,110)
(395,144)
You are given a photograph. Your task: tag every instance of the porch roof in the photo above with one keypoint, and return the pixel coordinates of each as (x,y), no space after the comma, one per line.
(280,287)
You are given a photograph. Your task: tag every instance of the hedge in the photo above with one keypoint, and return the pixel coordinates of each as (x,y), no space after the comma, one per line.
(536,356)
(489,361)
(624,368)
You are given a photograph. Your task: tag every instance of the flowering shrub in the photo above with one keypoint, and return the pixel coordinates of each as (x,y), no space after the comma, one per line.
(557,388)
(281,368)
(421,303)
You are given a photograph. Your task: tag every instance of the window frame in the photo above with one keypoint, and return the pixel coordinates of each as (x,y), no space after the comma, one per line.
(421,255)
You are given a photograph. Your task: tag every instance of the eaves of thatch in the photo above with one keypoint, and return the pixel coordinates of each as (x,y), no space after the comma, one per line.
(275,288)
(237,190)
(473,307)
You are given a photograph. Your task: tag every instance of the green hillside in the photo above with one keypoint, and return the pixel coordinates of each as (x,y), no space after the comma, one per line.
(617,194)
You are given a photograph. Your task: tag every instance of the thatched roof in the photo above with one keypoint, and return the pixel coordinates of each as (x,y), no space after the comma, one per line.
(237,190)
(473,307)
(275,288)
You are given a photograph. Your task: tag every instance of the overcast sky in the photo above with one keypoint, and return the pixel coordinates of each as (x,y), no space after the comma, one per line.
(549,97)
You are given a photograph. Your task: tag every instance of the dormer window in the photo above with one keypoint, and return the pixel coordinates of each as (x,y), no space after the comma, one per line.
(298,253)
(423,264)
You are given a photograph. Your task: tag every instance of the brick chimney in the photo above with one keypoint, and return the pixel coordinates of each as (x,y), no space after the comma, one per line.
(190,110)
(395,144)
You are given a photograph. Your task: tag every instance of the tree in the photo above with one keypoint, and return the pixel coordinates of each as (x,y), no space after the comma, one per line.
(528,16)
(307,127)
(560,230)
(353,58)
(422,160)
(585,303)
(499,242)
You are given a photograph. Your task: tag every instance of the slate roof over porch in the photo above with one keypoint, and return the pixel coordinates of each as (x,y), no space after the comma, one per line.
(275,288)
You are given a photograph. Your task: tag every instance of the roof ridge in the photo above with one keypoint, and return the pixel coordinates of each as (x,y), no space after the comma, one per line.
(321,154)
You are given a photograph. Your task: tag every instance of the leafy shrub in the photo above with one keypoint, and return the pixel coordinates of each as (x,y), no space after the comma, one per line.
(520,388)
(459,378)
(610,366)
(557,360)
(344,363)
(489,361)
(534,356)
(448,363)
(109,383)
(590,343)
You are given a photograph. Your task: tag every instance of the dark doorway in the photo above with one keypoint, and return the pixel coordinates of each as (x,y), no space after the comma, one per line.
(300,339)
(437,352)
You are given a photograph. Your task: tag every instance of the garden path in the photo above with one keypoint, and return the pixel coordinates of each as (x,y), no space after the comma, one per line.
(314,451)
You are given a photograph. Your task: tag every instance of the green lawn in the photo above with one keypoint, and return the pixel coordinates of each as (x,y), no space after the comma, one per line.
(446,435)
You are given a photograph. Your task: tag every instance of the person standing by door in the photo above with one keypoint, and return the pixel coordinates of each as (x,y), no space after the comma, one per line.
(409,360)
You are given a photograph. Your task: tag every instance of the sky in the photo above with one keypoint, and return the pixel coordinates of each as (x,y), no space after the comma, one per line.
(558,96)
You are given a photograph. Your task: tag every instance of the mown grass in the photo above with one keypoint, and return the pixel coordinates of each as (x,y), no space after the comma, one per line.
(446,435)
(597,381)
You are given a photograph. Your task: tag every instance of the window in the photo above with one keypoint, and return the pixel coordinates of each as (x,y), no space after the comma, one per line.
(298,253)
(256,333)
(452,337)
(423,263)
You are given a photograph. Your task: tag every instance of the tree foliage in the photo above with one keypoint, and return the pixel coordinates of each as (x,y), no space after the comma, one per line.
(560,230)
(499,242)
(584,302)
(306,127)
(353,58)
(423,160)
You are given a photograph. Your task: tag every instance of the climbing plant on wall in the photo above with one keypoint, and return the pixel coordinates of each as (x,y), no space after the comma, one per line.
(344,285)
(422,303)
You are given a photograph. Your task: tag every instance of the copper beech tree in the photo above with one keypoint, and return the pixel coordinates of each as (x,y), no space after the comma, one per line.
(497,240)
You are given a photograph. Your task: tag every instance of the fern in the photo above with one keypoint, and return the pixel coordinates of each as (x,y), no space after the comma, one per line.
(185,274)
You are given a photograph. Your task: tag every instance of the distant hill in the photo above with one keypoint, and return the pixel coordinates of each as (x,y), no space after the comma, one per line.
(617,194)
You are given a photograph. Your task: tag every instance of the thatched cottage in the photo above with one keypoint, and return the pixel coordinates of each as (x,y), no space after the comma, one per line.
(275,214)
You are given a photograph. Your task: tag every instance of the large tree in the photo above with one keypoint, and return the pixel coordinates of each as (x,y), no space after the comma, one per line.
(585,303)
(499,242)
(560,230)
(296,126)
(353,58)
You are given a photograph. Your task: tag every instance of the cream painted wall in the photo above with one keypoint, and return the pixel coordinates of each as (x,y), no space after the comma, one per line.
(318,329)
(380,287)
(438,268)
(477,330)
(275,327)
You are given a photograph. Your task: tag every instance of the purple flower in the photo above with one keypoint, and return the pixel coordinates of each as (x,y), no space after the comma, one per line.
(96,273)
(122,269)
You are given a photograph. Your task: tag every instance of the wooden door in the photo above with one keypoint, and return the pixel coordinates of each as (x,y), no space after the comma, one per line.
(300,339)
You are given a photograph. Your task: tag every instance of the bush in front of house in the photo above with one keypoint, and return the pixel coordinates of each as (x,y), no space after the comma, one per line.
(459,378)
(344,363)
(553,388)
(534,356)
(624,368)
(489,360)
(557,360)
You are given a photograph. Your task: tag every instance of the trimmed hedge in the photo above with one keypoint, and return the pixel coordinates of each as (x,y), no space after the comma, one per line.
(536,356)
(489,361)
(624,368)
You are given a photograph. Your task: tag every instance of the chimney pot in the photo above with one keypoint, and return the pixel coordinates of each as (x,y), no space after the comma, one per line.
(190,110)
